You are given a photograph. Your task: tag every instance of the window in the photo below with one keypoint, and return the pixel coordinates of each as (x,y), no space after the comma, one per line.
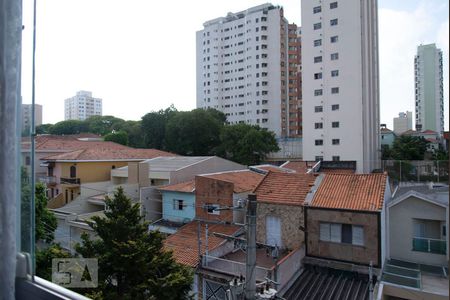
(73,172)
(334,39)
(318,158)
(333,22)
(335,124)
(317,9)
(318,76)
(318,125)
(27,160)
(317,43)
(335,73)
(317,59)
(212,209)
(178,204)
(318,109)
(333,5)
(318,92)
(336,158)
(335,107)
(335,90)
(334,56)
(318,142)
(335,141)
(317,26)
(341,233)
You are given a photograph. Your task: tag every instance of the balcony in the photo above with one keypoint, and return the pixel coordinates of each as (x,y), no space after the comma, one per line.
(47,179)
(70,180)
(435,246)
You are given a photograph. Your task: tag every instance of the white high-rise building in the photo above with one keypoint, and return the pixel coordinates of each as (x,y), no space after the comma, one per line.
(340,90)
(247,68)
(403,122)
(82,106)
(429,88)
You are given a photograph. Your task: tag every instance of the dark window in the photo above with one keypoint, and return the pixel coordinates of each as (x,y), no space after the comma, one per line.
(73,172)
(335,141)
(318,108)
(50,171)
(318,76)
(336,158)
(335,107)
(318,142)
(317,9)
(113,167)
(333,22)
(335,124)
(317,26)
(27,160)
(346,235)
(333,5)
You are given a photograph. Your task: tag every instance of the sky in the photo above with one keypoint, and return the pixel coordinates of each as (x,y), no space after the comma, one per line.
(139,56)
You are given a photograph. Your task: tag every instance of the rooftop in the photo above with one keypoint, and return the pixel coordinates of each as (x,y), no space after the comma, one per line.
(65,143)
(351,191)
(243,180)
(103,152)
(434,192)
(298,166)
(284,188)
(184,243)
(266,168)
(183,187)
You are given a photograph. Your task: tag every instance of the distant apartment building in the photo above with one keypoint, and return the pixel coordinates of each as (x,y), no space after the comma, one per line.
(247,67)
(340,88)
(403,122)
(82,106)
(27,114)
(429,88)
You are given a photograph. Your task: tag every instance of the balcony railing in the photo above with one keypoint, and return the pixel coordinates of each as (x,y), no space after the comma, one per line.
(429,245)
(70,180)
(47,179)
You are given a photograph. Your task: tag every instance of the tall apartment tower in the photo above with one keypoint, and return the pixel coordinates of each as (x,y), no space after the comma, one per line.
(340,89)
(26,115)
(82,106)
(403,122)
(429,85)
(247,68)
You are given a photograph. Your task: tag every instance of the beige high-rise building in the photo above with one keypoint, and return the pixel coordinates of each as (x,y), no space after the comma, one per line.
(403,122)
(26,115)
(82,106)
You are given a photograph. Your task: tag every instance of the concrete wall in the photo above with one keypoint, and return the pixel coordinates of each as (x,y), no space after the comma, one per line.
(89,171)
(175,215)
(213,191)
(291,219)
(151,203)
(340,251)
(401,229)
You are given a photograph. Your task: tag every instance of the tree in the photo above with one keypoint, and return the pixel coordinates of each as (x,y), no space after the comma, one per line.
(103,125)
(120,137)
(44,129)
(46,222)
(154,127)
(69,127)
(44,259)
(132,262)
(246,144)
(193,132)
(134,132)
(409,148)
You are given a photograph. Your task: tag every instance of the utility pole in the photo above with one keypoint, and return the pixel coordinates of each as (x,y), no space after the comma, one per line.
(250,271)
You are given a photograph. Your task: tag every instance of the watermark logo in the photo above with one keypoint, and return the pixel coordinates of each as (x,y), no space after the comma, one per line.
(75,272)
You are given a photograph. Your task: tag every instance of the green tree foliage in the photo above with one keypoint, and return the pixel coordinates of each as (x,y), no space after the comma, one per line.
(409,148)
(154,127)
(44,259)
(120,137)
(193,132)
(69,127)
(132,262)
(46,222)
(134,132)
(44,129)
(246,144)
(103,125)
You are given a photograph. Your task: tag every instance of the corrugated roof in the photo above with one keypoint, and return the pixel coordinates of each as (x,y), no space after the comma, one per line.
(244,180)
(351,191)
(106,153)
(184,187)
(184,243)
(284,188)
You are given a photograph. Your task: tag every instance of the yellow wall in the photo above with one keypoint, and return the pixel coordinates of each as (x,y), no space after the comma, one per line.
(90,171)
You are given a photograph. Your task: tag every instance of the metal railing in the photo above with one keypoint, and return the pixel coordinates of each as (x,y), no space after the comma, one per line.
(70,180)
(436,246)
(47,179)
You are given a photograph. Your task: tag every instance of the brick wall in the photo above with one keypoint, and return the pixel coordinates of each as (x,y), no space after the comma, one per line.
(339,251)
(213,191)
(291,218)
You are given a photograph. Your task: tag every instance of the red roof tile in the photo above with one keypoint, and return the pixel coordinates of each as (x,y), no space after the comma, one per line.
(351,191)
(184,243)
(298,166)
(272,168)
(184,187)
(284,188)
(336,171)
(244,181)
(104,152)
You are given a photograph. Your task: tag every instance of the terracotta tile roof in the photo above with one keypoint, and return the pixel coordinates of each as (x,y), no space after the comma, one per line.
(184,243)
(106,153)
(272,168)
(184,187)
(385,130)
(336,171)
(351,191)
(428,131)
(298,166)
(284,188)
(244,181)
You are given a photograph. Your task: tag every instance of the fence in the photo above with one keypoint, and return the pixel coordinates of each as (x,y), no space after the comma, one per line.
(417,170)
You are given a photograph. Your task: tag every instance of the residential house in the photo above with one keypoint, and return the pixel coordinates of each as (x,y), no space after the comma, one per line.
(417,243)
(387,136)
(71,169)
(343,236)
